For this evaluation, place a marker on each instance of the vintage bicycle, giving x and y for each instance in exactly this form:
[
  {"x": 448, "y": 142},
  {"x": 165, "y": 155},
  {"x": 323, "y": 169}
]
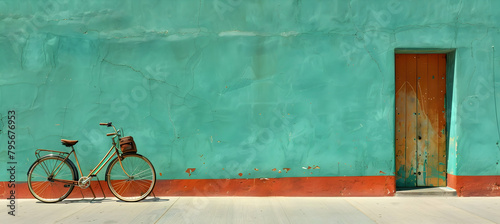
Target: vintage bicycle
[{"x": 129, "y": 176}]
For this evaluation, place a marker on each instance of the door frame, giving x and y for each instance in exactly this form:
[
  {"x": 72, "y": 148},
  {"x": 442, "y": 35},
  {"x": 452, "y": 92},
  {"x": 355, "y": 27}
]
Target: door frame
[{"x": 450, "y": 73}]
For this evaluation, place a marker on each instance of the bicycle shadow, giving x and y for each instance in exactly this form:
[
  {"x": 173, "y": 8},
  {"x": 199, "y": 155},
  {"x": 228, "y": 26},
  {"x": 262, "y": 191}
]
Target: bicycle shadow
[
  {"x": 154, "y": 199},
  {"x": 101, "y": 200}
]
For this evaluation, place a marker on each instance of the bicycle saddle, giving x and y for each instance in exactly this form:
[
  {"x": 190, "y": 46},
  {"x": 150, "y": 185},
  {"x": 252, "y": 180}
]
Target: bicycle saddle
[{"x": 68, "y": 143}]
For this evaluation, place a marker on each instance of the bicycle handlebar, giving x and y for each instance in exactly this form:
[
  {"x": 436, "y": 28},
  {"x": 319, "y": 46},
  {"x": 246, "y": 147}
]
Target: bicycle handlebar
[
  {"x": 106, "y": 124},
  {"x": 109, "y": 124}
]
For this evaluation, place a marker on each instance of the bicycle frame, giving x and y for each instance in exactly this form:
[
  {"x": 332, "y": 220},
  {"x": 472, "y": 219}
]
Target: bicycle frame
[{"x": 96, "y": 169}]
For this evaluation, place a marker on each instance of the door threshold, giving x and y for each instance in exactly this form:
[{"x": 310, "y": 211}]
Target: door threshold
[{"x": 426, "y": 192}]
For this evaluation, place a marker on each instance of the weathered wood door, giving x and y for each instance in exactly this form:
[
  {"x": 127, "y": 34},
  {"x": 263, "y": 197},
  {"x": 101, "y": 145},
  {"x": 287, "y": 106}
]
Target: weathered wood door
[{"x": 420, "y": 120}]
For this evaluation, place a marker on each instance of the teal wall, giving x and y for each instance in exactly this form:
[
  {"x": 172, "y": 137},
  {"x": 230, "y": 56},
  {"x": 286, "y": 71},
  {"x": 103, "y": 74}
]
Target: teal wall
[{"x": 233, "y": 86}]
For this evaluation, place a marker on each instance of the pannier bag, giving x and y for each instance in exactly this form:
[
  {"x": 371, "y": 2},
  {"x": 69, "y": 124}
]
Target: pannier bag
[{"x": 127, "y": 145}]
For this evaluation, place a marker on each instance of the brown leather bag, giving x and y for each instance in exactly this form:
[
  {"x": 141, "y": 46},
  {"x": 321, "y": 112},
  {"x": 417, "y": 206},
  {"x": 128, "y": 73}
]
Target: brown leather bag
[{"x": 127, "y": 145}]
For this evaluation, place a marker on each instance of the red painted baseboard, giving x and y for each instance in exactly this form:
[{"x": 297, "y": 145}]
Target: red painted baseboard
[
  {"x": 293, "y": 186},
  {"x": 467, "y": 186}
]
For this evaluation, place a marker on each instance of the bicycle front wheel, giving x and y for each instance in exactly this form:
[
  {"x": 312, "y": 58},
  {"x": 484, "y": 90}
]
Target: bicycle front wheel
[
  {"x": 138, "y": 180},
  {"x": 49, "y": 179}
]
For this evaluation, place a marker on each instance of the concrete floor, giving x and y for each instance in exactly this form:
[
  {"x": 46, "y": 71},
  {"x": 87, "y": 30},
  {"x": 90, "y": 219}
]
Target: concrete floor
[{"x": 259, "y": 210}]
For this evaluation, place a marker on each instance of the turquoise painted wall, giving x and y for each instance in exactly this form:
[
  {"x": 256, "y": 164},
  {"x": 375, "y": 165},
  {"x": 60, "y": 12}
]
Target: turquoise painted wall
[{"x": 233, "y": 86}]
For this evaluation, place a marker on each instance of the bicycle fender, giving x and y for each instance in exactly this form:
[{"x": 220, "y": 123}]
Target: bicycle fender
[{"x": 75, "y": 171}]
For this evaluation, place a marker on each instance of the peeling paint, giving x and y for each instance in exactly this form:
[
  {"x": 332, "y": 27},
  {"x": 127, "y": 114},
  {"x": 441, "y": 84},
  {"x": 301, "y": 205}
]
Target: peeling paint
[
  {"x": 419, "y": 146},
  {"x": 190, "y": 171},
  {"x": 313, "y": 167}
]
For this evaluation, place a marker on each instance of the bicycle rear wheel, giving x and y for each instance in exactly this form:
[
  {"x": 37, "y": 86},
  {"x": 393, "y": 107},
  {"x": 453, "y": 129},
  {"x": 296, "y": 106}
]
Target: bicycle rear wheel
[
  {"x": 45, "y": 179},
  {"x": 139, "y": 182}
]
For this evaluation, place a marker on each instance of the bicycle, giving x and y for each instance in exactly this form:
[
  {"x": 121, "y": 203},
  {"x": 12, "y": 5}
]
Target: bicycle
[{"x": 130, "y": 176}]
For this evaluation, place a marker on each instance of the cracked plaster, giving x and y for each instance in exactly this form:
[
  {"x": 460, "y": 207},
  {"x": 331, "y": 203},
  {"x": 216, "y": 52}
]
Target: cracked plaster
[{"x": 248, "y": 85}]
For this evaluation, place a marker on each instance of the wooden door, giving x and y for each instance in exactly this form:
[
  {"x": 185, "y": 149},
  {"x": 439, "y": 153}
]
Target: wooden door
[{"x": 420, "y": 136}]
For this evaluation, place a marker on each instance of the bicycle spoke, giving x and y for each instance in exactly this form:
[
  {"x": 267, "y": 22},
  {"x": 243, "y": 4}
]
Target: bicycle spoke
[
  {"x": 135, "y": 169},
  {"x": 145, "y": 185},
  {"x": 44, "y": 187},
  {"x": 121, "y": 186},
  {"x": 42, "y": 176},
  {"x": 45, "y": 168},
  {"x": 124, "y": 187},
  {"x": 41, "y": 185},
  {"x": 144, "y": 171},
  {"x": 116, "y": 175}
]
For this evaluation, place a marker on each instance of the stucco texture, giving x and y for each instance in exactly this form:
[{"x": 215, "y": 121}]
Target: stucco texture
[{"x": 241, "y": 89}]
